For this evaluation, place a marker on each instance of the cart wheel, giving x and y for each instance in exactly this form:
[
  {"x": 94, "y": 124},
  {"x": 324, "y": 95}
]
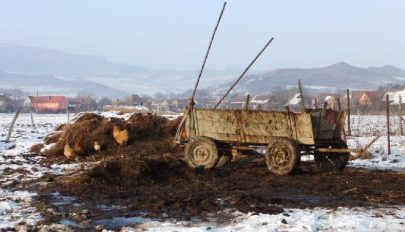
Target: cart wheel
[
  {"x": 282, "y": 157},
  {"x": 201, "y": 152},
  {"x": 332, "y": 161}
]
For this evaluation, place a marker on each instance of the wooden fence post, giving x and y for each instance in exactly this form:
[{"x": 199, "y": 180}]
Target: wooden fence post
[
  {"x": 387, "y": 106},
  {"x": 12, "y": 125},
  {"x": 32, "y": 118},
  {"x": 301, "y": 96},
  {"x": 316, "y": 103},
  {"x": 349, "y": 131},
  {"x": 401, "y": 130},
  {"x": 67, "y": 112},
  {"x": 338, "y": 103},
  {"x": 247, "y": 102}
]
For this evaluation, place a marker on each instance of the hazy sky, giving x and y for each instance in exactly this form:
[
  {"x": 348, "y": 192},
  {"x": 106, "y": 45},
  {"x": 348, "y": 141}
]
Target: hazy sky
[{"x": 174, "y": 34}]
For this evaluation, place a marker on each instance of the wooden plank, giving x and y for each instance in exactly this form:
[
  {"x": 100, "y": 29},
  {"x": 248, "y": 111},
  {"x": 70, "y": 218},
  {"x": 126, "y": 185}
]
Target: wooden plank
[{"x": 340, "y": 150}]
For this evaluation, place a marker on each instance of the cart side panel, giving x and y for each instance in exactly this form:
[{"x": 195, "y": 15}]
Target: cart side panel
[
  {"x": 303, "y": 125},
  {"x": 327, "y": 126},
  {"x": 260, "y": 127},
  {"x": 221, "y": 125},
  {"x": 255, "y": 127}
]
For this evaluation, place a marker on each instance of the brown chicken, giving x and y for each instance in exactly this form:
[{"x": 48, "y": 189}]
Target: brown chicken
[
  {"x": 69, "y": 152},
  {"x": 78, "y": 148},
  {"x": 120, "y": 136},
  {"x": 97, "y": 146}
]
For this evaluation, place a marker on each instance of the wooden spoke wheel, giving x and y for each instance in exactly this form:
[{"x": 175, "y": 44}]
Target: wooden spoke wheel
[
  {"x": 201, "y": 152},
  {"x": 282, "y": 157}
]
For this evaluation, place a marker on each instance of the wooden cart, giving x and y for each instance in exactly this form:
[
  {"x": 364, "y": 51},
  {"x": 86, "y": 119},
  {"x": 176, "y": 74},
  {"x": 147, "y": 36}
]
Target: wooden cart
[{"x": 211, "y": 136}]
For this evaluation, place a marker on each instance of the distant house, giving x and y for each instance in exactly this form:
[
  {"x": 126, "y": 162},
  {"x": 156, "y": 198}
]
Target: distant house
[
  {"x": 46, "y": 104},
  {"x": 365, "y": 98},
  {"x": 211, "y": 102},
  {"x": 132, "y": 100},
  {"x": 75, "y": 104},
  {"x": 262, "y": 101},
  {"x": 294, "y": 100},
  {"x": 255, "y": 102},
  {"x": 331, "y": 100},
  {"x": 82, "y": 103},
  {"x": 238, "y": 102},
  {"x": 160, "y": 105},
  {"x": 4, "y": 103},
  {"x": 394, "y": 97},
  {"x": 178, "y": 105}
]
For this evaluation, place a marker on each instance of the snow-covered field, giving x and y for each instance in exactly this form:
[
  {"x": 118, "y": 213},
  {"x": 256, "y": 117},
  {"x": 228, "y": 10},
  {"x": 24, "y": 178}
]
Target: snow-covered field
[
  {"x": 318, "y": 219},
  {"x": 16, "y": 165}
]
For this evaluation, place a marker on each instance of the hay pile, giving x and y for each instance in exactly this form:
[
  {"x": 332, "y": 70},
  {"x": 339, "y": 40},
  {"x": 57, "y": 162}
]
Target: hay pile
[{"x": 90, "y": 127}]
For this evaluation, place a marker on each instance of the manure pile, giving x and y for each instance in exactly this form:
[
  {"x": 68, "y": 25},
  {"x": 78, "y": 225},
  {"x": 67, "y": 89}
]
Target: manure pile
[{"x": 90, "y": 128}]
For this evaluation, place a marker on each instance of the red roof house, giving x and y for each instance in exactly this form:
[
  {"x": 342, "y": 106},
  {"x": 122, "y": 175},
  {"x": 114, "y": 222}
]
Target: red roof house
[{"x": 46, "y": 104}]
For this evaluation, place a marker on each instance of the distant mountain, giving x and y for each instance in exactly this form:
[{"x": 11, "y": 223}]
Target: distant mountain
[
  {"x": 50, "y": 85},
  {"x": 37, "y": 62},
  {"x": 336, "y": 76},
  {"x": 32, "y": 60},
  {"x": 58, "y": 72}
]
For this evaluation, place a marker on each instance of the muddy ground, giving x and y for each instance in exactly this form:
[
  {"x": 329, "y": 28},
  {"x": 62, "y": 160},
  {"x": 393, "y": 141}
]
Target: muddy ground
[
  {"x": 148, "y": 178},
  {"x": 246, "y": 185}
]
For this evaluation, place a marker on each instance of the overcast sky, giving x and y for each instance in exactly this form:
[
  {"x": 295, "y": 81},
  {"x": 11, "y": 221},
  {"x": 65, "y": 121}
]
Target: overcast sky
[{"x": 174, "y": 34}]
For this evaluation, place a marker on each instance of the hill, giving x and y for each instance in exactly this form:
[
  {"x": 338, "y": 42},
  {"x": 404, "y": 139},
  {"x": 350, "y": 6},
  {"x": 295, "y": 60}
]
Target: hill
[{"x": 336, "y": 76}]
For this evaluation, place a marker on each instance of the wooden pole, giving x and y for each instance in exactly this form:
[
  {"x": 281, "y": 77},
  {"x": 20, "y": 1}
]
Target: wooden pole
[
  {"x": 302, "y": 97},
  {"x": 32, "y": 117},
  {"x": 316, "y": 103},
  {"x": 401, "y": 130},
  {"x": 12, "y": 125},
  {"x": 244, "y": 72},
  {"x": 387, "y": 106},
  {"x": 325, "y": 106},
  {"x": 191, "y": 101},
  {"x": 338, "y": 103},
  {"x": 208, "y": 51},
  {"x": 349, "y": 131},
  {"x": 340, "y": 109},
  {"x": 247, "y": 102},
  {"x": 36, "y": 101}
]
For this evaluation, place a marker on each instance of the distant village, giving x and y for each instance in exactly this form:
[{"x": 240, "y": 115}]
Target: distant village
[{"x": 362, "y": 101}]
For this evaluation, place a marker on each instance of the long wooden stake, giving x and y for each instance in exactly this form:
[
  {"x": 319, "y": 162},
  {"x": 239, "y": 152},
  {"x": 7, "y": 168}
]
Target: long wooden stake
[
  {"x": 12, "y": 125},
  {"x": 208, "y": 51},
  {"x": 244, "y": 72},
  {"x": 191, "y": 100},
  {"x": 387, "y": 106},
  {"x": 349, "y": 131},
  {"x": 401, "y": 130}
]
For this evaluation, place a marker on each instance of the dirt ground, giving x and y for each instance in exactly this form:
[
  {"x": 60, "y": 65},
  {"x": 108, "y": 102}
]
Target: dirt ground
[{"x": 149, "y": 177}]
